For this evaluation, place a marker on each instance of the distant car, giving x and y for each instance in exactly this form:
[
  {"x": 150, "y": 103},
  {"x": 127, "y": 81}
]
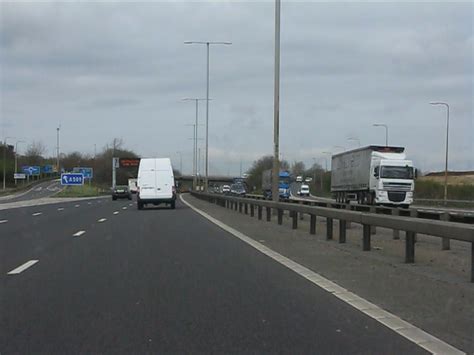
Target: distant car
[
  {"x": 304, "y": 190},
  {"x": 308, "y": 179},
  {"x": 121, "y": 191},
  {"x": 225, "y": 189},
  {"x": 299, "y": 179},
  {"x": 238, "y": 189}
]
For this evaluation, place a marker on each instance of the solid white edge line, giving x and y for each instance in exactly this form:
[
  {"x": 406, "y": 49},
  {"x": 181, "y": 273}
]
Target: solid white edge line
[
  {"x": 23, "y": 267},
  {"x": 391, "y": 321},
  {"x": 78, "y": 234},
  {"x": 3, "y": 221}
]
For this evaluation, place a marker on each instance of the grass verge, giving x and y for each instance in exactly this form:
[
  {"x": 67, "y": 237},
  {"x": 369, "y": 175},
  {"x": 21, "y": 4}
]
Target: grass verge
[{"x": 81, "y": 191}]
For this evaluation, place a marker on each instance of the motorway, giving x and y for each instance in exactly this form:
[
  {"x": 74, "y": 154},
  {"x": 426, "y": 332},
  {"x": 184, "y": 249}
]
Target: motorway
[
  {"x": 99, "y": 276},
  {"x": 44, "y": 189}
]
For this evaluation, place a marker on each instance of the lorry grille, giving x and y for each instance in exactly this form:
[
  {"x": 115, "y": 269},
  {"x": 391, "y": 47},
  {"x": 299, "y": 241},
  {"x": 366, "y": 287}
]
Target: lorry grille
[
  {"x": 396, "y": 196},
  {"x": 397, "y": 186}
]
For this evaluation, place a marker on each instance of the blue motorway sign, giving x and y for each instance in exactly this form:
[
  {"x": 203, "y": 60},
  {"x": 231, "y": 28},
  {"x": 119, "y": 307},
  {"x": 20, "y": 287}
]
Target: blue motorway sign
[
  {"x": 31, "y": 170},
  {"x": 72, "y": 179},
  {"x": 87, "y": 172},
  {"x": 47, "y": 169}
]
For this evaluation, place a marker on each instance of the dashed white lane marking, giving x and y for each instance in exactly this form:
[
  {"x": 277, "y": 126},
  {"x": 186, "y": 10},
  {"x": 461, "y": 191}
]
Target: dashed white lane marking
[
  {"x": 23, "y": 267},
  {"x": 116, "y": 212},
  {"x": 391, "y": 321},
  {"x": 130, "y": 204},
  {"x": 77, "y": 206},
  {"x": 102, "y": 220},
  {"x": 3, "y": 221},
  {"x": 78, "y": 234},
  {"x": 60, "y": 209},
  {"x": 124, "y": 208},
  {"x": 37, "y": 214}
]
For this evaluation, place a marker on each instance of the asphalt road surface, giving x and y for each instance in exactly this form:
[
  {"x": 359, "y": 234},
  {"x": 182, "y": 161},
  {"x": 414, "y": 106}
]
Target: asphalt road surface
[
  {"x": 45, "y": 189},
  {"x": 161, "y": 281}
]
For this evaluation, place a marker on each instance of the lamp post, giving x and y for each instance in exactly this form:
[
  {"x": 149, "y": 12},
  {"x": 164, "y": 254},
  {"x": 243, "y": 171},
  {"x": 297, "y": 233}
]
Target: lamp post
[
  {"x": 196, "y": 125},
  {"x": 208, "y": 44},
  {"x": 4, "y": 162},
  {"x": 16, "y": 157},
  {"x": 276, "y": 106},
  {"x": 386, "y": 131},
  {"x": 447, "y": 145}
]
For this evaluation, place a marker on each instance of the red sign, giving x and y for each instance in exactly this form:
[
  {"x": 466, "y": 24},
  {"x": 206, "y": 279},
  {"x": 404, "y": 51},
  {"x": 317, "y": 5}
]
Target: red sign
[{"x": 129, "y": 162}]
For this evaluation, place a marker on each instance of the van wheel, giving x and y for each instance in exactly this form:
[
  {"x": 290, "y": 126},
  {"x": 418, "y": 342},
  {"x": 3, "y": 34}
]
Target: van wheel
[
  {"x": 140, "y": 205},
  {"x": 173, "y": 205},
  {"x": 114, "y": 198}
]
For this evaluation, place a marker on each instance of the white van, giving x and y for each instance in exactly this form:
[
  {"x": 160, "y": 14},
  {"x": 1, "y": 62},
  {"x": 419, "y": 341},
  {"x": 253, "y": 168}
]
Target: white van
[{"x": 155, "y": 182}]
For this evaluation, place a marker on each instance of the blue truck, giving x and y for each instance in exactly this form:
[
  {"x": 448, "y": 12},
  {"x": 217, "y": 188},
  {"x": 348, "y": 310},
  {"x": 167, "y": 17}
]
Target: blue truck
[{"x": 283, "y": 184}]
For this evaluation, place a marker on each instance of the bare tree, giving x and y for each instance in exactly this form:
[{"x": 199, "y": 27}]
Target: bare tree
[{"x": 34, "y": 154}]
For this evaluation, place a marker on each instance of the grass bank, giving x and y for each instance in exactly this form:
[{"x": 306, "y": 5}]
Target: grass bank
[{"x": 82, "y": 191}]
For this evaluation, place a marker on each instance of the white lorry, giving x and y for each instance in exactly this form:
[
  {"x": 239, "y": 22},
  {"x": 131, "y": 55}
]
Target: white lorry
[
  {"x": 373, "y": 175},
  {"x": 132, "y": 186},
  {"x": 155, "y": 183}
]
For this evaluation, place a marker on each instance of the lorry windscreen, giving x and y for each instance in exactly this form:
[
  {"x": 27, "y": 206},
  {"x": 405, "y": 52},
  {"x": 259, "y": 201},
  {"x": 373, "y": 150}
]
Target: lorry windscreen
[{"x": 396, "y": 172}]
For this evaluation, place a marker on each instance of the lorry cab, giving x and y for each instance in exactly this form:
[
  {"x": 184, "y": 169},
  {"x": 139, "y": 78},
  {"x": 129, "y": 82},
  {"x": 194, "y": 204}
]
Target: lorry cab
[{"x": 155, "y": 183}]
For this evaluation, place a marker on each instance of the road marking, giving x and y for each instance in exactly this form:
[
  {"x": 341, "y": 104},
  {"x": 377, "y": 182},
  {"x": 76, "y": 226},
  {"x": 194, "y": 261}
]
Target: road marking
[
  {"x": 116, "y": 212},
  {"x": 23, "y": 267},
  {"x": 130, "y": 204},
  {"x": 60, "y": 209},
  {"x": 102, "y": 220},
  {"x": 391, "y": 321},
  {"x": 37, "y": 214},
  {"x": 89, "y": 203},
  {"x": 77, "y": 206},
  {"x": 78, "y": 234},
  {"x": 124, "y": 208},
  {"x": 3, "y": 221}
]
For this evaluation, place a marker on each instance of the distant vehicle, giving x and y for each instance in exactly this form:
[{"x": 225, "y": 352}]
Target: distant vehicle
[
  {"x": 121, "y": 191},
  {"x": 238, "y": 189},
  {"x": 156, "y": 183},
  {"x": 283, "y": 184},
  {"x": 373, "y": 175},
  {"x": 132, "y": 186},
  {"x": 304, "y": 190},
  {"x": 308, "y": 179},
  {"x": 299, "y": 179},
  {"x": 225, "y": 189}
]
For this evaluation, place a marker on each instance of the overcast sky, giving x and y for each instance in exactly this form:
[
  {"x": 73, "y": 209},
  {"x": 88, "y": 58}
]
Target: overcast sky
[{"x": 112, "y": 69}]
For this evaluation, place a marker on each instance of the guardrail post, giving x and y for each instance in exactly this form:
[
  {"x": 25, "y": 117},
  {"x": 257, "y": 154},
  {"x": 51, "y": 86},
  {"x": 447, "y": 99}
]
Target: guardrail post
[
  {"x": 472, "y": 261},
  {"x": 312, "y": 224},
  {"x": 259, "y": 208},
  {"x": 246, "y": 208},
  {"x": 414, "y": 213},
  {"x": 342, "y": 231},
  {"x": 396, "y": 232},
  {"x": 445, "y": 242},
  {"x": 269, "y": 214},
  {"x": 295, "y": 220},
  {"x": 410, "y": 247},
  {"x": 240, "y": 207},
  {"x": 373, "y": 229},
  {"x": 366, "y": 237},
  {"x": 252, "y": 210},
  {"x": 328, "y": 228},
  {"x": 280, "y": 216}
]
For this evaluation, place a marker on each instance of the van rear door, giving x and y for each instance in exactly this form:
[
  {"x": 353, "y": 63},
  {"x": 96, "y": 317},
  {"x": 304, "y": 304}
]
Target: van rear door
[{"x": 164, "y": 184}]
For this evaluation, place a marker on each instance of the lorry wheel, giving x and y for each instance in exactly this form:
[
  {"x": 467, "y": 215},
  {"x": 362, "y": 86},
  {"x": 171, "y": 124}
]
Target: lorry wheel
[
  {"x": 114, "y": 198},
  {"x": 173, "y": 205}
]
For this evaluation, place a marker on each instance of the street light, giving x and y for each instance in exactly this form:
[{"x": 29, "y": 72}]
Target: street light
[
  {"x": 16, "y": 157},
  {"x": 276, "y": 107},
  {"x": 207, "y": 101},
  {"x": 354, "y": 139},
  {"x": 196, "y": 125},
  {"x": 4, "y": 161},
  {"x": 386, "y": 131},
  {"x": 447, "y": 142}
]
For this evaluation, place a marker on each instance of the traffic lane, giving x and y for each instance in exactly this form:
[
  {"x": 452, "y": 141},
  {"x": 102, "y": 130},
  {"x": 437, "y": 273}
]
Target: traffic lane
[
  {"x": 162, "y": 280},
  {"x": 43, "y": 234},
  {"x": 45, "y": 189}
]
